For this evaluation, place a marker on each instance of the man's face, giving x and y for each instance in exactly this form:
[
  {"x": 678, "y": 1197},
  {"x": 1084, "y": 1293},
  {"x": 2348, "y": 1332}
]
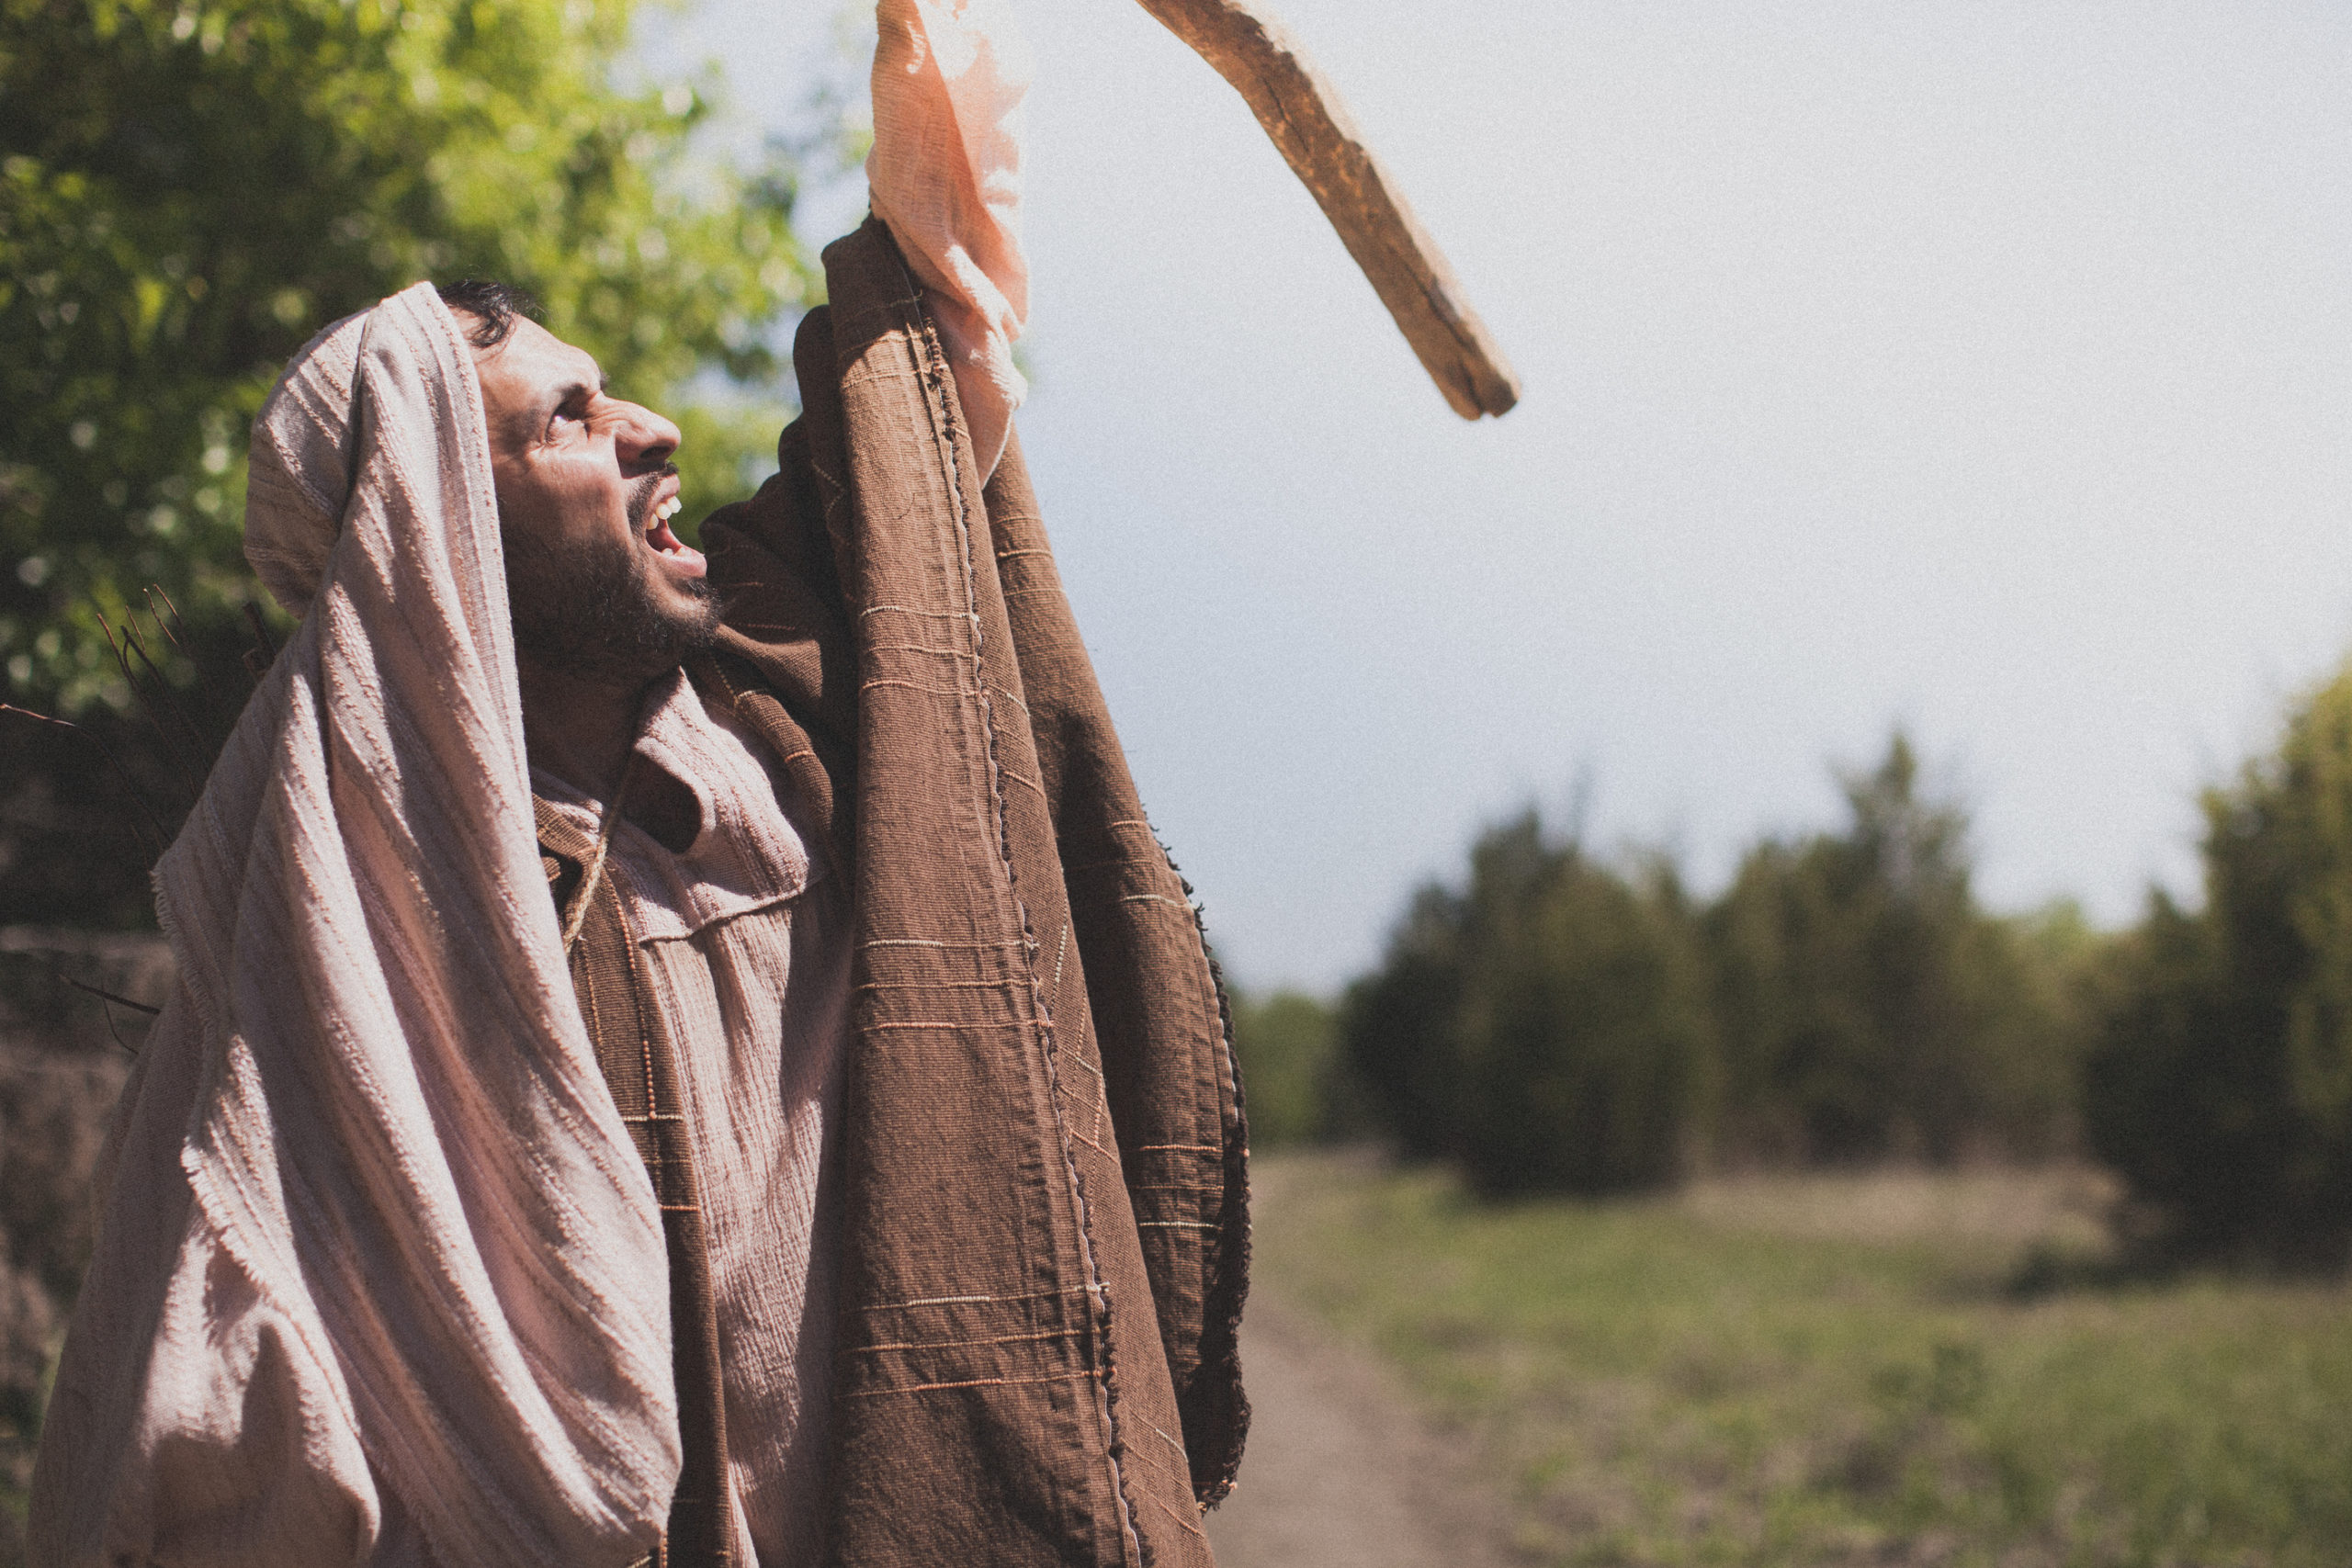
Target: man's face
[{"x": 599, "y": 585}]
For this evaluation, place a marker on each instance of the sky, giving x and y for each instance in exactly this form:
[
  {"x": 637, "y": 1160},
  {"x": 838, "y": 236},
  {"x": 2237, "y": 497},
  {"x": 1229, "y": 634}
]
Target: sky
[{"x": 1984, "y": 368}]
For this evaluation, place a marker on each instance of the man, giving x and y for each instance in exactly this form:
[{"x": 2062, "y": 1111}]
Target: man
[{"x": 549, "y": 937}]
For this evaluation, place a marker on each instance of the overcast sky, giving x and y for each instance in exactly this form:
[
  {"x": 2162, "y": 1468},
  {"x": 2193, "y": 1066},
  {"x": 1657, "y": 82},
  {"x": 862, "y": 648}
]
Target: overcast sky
[{"x": 1985, "y": 367}]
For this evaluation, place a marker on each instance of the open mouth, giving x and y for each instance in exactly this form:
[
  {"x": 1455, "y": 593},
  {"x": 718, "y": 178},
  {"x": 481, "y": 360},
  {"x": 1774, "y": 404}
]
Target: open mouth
[{"x": 679, "y": 555}]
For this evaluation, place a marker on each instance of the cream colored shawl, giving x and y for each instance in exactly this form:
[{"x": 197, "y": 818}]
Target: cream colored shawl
[{"x": 381, "y": 1277}]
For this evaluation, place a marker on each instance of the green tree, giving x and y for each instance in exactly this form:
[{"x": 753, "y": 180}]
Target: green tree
[
  {"x": 1867, "y": 1008},
  {"x": 1397, "y": 1026},
  {"x": 190, "y": 189},
  {"x": 1288, "y": 1043},
  {"x": 1584, "y": 1030},
  {"x": 2222, "y": 1083},
  {"x": 1559, "y": 1022},
  {"x": 1545, "y": 1026}
]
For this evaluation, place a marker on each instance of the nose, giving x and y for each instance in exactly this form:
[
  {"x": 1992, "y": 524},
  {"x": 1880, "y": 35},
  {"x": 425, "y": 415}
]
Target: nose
[{"x": 643, "y": 439}]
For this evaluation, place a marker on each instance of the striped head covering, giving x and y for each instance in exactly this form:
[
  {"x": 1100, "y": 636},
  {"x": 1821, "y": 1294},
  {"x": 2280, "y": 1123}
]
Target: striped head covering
[
  {"x": 300, "y": 466},
  {"x": 371, "y": 1282}
]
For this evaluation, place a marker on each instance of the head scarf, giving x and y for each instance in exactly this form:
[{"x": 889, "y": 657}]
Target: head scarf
[
  {"x": 299, "y": 473},
  {"x": 380, "y": 1277}
]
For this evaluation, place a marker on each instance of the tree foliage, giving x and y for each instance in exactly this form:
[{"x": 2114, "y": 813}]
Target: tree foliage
[
  {"x": 1868, "y": 1008},
  {"x": 1288, "y": 1044},
  {"x": 1558, "y": 1022},
  {"x": 190, "y": 188},
  {"x": 2221, "y": 1082},
  {"x": 1545, "y": 1026}
]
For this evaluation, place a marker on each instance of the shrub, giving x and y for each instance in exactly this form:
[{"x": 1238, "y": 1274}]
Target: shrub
[
  {"x": 1556, "y": 1022},
  {"x": 1288, "y": 1043},
  {"x": 1867, "y": 1008},
  {"x": 1397, "y": 1027},
  {"x": 1545, "y": 1027},
  {"x": 2221, "y": 1086}
]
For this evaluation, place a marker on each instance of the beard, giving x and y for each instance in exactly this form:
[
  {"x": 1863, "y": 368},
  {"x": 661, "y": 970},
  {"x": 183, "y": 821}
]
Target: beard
[{"x": 590, "y": 610}]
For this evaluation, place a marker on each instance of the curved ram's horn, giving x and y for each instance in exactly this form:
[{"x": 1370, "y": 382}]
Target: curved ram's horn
[{"x": 1304, "y": 115}]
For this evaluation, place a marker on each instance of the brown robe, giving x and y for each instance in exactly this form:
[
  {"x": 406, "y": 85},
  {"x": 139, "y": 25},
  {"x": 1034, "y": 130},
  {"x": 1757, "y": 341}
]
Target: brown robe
[{"x": 1046, "y": 1232}]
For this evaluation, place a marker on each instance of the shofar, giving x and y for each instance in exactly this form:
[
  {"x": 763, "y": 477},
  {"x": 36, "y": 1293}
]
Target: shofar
[{"x": 1302, "y": 114}]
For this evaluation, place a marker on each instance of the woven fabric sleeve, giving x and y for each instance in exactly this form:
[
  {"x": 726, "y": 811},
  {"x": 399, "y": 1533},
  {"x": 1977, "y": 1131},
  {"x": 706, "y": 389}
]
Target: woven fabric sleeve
[
  {"x": 1161, "y": 1024},
  {"x": 1045, "y": 1218}
]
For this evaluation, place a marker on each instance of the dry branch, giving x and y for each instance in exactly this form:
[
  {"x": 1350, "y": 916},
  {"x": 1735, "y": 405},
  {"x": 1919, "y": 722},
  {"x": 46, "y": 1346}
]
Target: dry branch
[
  {"x": 1304, "y": 114},
  {"x": 105, "y": 996}
]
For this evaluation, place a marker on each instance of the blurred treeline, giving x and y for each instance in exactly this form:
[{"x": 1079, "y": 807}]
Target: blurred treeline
[{"x": 1561, "y": 1020}]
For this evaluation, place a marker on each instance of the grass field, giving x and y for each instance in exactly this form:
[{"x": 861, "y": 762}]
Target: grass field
[{"x": 1808, "y": 1372}]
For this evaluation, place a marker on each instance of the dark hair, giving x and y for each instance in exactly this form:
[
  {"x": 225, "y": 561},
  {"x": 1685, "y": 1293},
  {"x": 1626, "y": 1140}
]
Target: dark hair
[{"x": 494, "y": 307}]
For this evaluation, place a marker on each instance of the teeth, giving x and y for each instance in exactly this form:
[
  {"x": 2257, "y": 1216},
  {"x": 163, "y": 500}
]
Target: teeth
[{"x": 668, "y": 509}]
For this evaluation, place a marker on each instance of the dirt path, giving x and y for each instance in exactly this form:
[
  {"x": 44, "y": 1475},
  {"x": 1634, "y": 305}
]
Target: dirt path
[{"x": 1341, "y": 1473}]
